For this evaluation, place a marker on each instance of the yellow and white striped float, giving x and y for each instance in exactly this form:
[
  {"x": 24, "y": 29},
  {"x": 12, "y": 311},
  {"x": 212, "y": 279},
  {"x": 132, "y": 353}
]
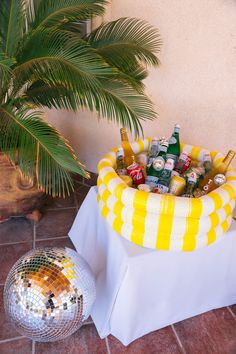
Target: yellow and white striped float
[{"x": 165, "y": 222}]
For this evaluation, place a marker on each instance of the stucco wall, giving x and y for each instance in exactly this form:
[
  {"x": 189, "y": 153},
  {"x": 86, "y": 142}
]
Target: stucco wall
[{"x": 194, "y": 86}]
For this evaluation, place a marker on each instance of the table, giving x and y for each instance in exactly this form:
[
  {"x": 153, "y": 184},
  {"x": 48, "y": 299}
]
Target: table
[{"x": 140, "y": 290}]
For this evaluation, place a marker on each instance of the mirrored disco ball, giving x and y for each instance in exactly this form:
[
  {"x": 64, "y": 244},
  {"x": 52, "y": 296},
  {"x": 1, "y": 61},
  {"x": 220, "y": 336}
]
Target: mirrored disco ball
[{"x": 48, "y": 293}]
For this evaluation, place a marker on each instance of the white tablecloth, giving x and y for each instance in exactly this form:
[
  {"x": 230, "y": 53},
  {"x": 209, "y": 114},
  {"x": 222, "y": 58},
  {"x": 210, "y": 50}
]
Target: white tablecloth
[{"x": 140, "y": 290}]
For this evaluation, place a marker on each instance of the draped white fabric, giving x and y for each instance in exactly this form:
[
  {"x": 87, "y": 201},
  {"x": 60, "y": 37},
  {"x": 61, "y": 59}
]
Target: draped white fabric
[{"x": 140, "y": 290}]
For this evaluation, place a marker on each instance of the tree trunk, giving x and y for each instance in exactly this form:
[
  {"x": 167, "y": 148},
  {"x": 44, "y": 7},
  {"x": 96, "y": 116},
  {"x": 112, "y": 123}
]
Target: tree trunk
[{"x": 18, "y": 196}]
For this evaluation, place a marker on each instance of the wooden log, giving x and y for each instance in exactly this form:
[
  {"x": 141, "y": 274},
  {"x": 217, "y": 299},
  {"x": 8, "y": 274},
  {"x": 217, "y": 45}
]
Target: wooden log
[{"x": 18, "y": 196}]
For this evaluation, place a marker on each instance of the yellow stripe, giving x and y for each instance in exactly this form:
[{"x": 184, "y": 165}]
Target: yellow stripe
[
  {"x": 214, "y": 219},
  {"x": 99, "y": 181},
  {"x": 167, "y": 209},
  {"x": 140, "y": 144},
  {"x": 231, "y": 178},
  {"x": 105, "y": 211},
  {"x": 111, "y": 158},
  {"x": 228, "y": 209},
  {"x": 194, "y": 154},
  {"x": 229, "y": 189},
  {"x": 119, "y": 190},
  {"x": 105, "y": 195},
  {"x": 216, "y": 199},
  {"x": 225, "y": 226},
  {"x": 117, "y": 225},
  {"x": 103, "y": 164},
  {"x": 211, "y": 236},
  {"x": 138, "y": 230},
  {"x": 108, "y": 177},
  {"x": 192, "y": 225}
]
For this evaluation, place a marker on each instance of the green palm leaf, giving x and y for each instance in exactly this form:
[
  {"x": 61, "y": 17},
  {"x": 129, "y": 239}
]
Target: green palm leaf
[
  {"x": 11, "y": 25},
  {"x": 126, "y": 41},
  {"x": 50, "y": 13},
  {"x": 59, "y": 58},
  {"x": 40, "y": 148}
]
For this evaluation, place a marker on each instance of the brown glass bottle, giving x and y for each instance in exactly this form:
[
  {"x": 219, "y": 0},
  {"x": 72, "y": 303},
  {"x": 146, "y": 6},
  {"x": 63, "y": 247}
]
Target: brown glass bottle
[
  {"x": 128, "y": 152},
  {"x": 209, "y": 183}
]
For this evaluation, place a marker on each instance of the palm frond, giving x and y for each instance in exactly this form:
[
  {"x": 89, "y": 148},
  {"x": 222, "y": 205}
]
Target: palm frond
[
  {"x": 122, "y": 104},
  {"x": 41, "y": 94},
  {"x": 41, "y": 150},
  {"x": 5, "y": 74},
  {"x": 125, "y": 41},
  {"x": 11, "y": 25},
  {"x": 50, "y": 13},
  {"x": 59, "y": 58}
]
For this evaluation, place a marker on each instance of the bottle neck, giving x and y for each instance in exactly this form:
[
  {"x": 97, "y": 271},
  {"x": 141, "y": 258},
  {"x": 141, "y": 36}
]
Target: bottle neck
[
  {"x": 228, "y": 158},
  {"x": 124, "y": 135}
]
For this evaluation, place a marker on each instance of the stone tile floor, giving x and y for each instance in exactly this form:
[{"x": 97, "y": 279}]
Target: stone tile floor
[{"x": 213, "y": 332}]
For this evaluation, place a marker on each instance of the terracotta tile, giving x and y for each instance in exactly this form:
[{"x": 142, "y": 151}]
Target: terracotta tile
[
  {"x": 213, "y": 332},
  {"x": 84, "y": 341},
  {"x": 162, "y": 341},
  {"x": 82, "y": 189},
  {"x": 61, "y": 242},
  {"x": 9, "y": 255},
  {"x": 7, "y": 331},
  {"x": 92, "y": 181},
  {"x": 56, "y": 203},
  {"x": 16, "y": 230},
  {"x": 20, "y": 346},
  {"x": 233, "y": 308},
  {"x": 55, "y": 223}
]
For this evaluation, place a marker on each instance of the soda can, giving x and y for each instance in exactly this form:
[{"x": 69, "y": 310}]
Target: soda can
[
  {"x": 177, "y": 185},
  {"x": 136, "y": 173},
  {"x": 145, "y": 188},
  {"x": 183, "y": 163}
]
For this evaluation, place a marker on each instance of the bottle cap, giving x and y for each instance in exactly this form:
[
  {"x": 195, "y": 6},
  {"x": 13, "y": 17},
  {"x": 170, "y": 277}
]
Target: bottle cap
[{"x": 177, "y": 126}]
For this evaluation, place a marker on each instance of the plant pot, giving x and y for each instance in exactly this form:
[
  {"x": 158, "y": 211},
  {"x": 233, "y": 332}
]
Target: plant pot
[
  {"x": 18, "y": 196},
  {"x": 165, "y": 222}
]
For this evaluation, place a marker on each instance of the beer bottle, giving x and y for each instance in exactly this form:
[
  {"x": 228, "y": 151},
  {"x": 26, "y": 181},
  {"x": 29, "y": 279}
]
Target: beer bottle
[
  {"x": 191, "y": 184},
  {"x": 120, "y": 162},
  {"x": 128, "y": 152},
  {"x": 173, "y": 151},
  {"x": 154, "y": 172},
  {"x": 211, "y": 180}
]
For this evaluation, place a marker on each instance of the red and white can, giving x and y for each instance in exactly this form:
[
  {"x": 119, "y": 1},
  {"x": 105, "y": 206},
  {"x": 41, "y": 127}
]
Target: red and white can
[{"x": 136, "y": 173}]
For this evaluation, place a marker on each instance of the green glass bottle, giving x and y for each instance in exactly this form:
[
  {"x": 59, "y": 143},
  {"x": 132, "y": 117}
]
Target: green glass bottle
[
  {"x": 173, "y": 151},
  {"x": 155, "y": 170}
]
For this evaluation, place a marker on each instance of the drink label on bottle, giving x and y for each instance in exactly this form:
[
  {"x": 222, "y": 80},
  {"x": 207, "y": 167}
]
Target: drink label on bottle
[
  {"x": 158, "y": 163},
  {"x": 151, "y": 181},
  {"x": 160, "y": 189},
  {"x": 172, "y": 140}
]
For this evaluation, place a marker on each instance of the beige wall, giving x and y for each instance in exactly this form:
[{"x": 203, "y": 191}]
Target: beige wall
[{"x": 194, "y": 86}]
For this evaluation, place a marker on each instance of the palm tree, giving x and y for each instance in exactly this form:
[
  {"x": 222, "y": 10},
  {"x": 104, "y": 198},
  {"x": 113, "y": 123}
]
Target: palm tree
[{"x": 46, "y": 62}]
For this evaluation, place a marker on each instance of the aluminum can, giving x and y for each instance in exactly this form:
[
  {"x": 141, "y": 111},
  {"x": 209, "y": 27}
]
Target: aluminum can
[
  {"x": 136, "y": 173},
  {"x": 183, "y": 163},
  {"x": 177, "y": 185},
  {"x": 145, "y": 188}
]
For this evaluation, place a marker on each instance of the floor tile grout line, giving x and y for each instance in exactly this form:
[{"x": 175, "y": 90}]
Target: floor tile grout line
[
  {"x": 61, "y": 208},
  {"x": 14, "y": 243},
  {"x": 34, "y": 235},
  {"x": 11, "y": 339},
  {"x": 33, "y": 347},
  {"x": 51, "y": 238},
  {"x": 178, "y": 339},
  {"x": 108, "y": 346},
  {"x": 76, "y": 202},
  {"x": 231, "y": 312}
]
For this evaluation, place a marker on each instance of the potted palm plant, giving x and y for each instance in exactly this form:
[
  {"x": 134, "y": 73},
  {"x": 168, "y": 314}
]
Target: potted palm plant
[{"x": 45, "y": 61}]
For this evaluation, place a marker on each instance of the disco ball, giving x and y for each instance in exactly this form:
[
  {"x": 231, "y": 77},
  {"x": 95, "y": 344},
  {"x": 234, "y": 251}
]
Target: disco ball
[{"x": 48, "y": 293}]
